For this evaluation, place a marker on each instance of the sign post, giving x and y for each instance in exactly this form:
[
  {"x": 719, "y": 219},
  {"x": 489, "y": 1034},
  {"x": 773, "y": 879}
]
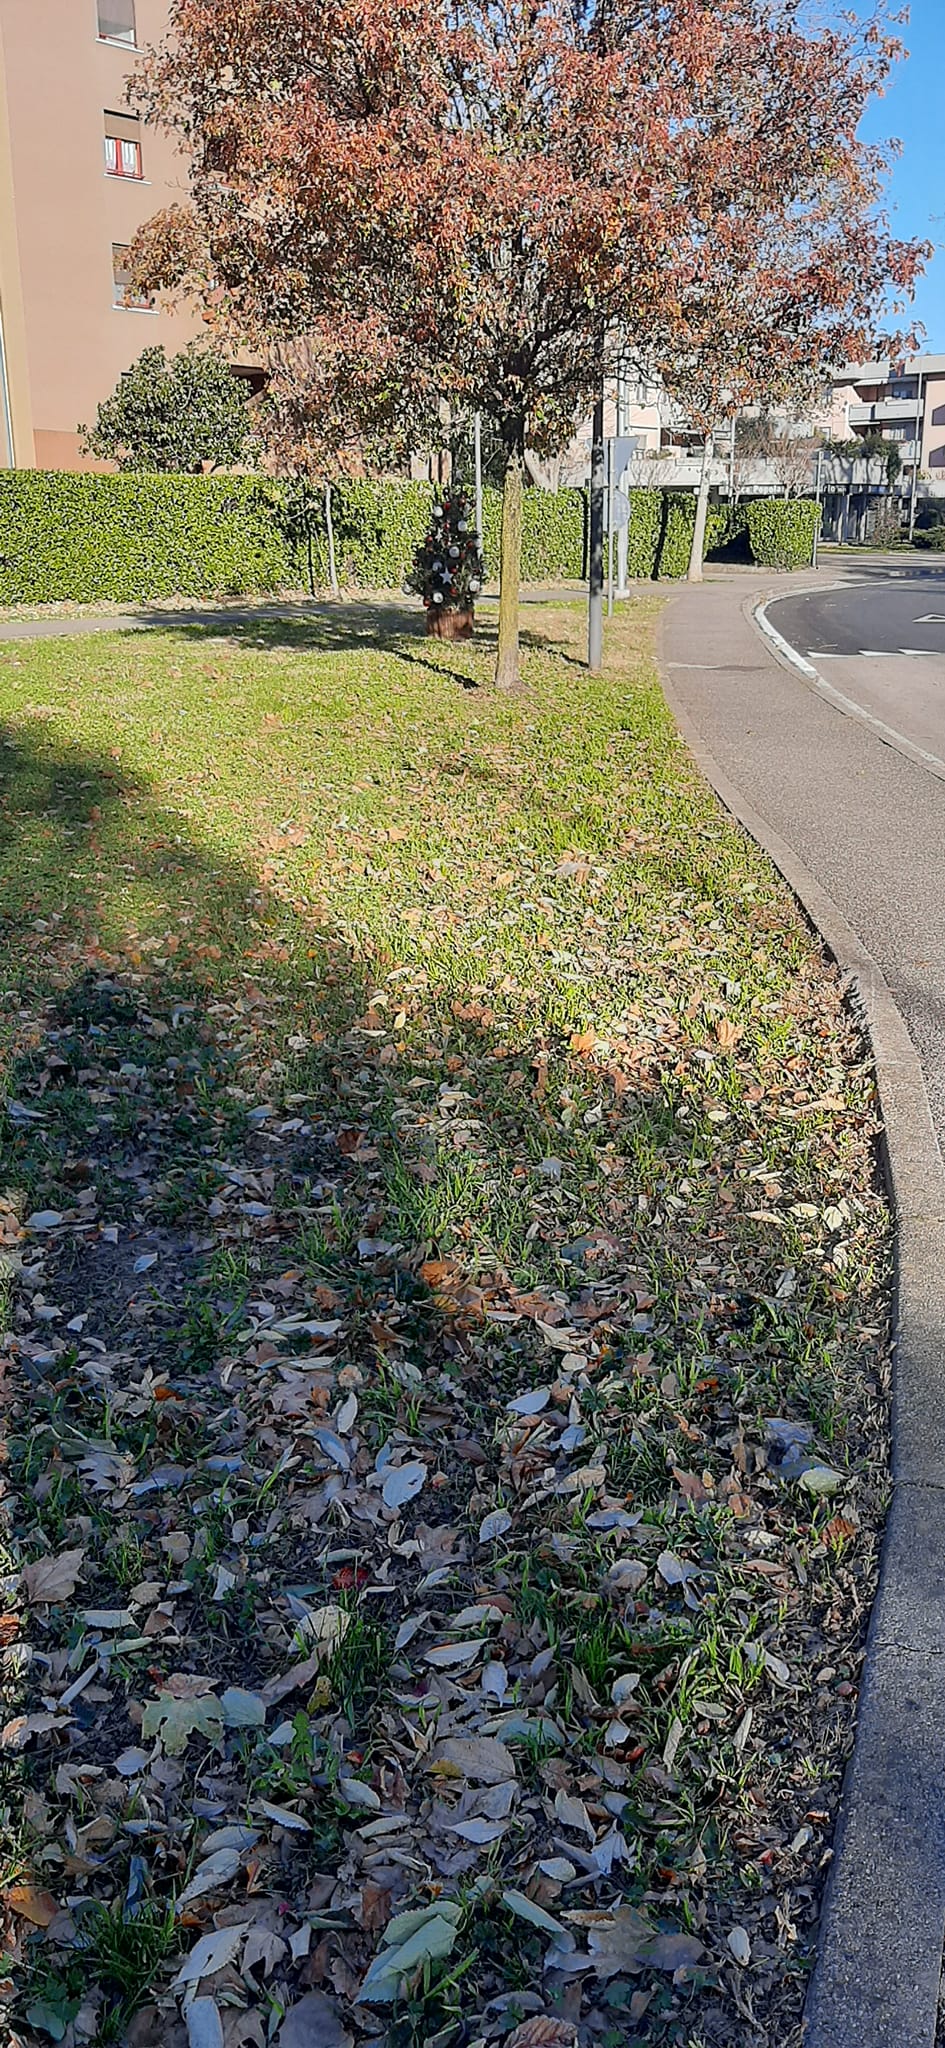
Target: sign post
[{"x": 595, "y": 605}]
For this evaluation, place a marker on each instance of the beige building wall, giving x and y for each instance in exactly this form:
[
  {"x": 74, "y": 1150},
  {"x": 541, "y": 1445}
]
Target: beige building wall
[{"x": 60, "y": 214}]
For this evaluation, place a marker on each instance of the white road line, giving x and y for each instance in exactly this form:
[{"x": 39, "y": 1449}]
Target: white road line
[
  {"x": 890, "y": 733},
  {"x": 931, "y": 619}
]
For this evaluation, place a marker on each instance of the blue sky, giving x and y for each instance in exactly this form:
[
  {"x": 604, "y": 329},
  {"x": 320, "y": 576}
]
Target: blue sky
[{"x": 913, "y": 111}]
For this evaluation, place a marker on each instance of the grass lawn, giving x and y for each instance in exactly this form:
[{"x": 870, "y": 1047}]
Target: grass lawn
[{"x": 444, "y": 1387}]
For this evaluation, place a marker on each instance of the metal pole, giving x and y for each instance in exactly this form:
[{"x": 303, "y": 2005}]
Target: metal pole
[
  {"x": 731, "y": 465},
  {"x": 622, "y": 537},
  {"x": 915, "y": 467},
  {"x": 595, "y": 605},
  {"x": 477, "y": 458},
  {"x": 817, "y": 496},
  {"x": 610, "y": 528}
]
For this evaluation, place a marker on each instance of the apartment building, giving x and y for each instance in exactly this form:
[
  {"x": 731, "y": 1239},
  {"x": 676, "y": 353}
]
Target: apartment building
[
  {"x": 78, "y": 174},
  {"x": 903, "y": 402}
]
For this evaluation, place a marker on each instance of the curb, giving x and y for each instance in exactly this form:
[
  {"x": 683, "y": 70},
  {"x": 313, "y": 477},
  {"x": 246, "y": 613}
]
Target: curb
[{"x": 877, "y": 1977}]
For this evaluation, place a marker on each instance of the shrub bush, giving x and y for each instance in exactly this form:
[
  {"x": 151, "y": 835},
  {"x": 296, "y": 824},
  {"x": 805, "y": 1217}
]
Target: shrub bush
[
  {"x": 553, "y": 524},
  {"x": 85, "y": 537},
  {"x": 930, "y": 537},
  {"x": 781, "y": 531}
]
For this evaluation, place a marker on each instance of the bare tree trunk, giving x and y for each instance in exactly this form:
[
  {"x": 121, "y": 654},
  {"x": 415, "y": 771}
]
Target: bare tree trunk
[
  {"x": 506, "y": 668},
  {"x": 702, "y": 508}
]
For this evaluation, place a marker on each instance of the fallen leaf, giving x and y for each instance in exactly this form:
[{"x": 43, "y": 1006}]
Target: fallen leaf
[
  {"x": 403, "y": 1484},
  {"x": 313, "y": 2023},
  {"x": 30, "y": 1903},
  {"x": 210, "y": 1954},
  {"x": 173, "y": 1721},
  {"x": 526, "y": 1909},
  {"x": 204, "y": 2025},
  {"x": 242, "y": 1709},
  {"x": 543, "y": 2032},
  {"x": 740, "y": 1945},
  {"x": 430, "y": 1942},
  {"x": 480, "y": 1758},
  {"x": 496, "y": 1524},
  {"x": 53, "y": 1578}
]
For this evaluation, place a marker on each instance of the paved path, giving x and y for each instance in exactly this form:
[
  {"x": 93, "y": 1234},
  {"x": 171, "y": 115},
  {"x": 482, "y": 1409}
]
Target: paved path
[
  {"x": 866, "y": 820},
  {"x": 359, "y": 615}
]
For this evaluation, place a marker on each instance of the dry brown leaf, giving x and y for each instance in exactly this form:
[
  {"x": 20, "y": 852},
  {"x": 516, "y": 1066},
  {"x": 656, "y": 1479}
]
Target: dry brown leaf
[
  {"x": 543, "y": 2032},
  {"x": 30, "y": 1903},
  {"x": 53, "y": 1578}
]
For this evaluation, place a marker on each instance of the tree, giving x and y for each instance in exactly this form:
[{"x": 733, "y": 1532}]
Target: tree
[
  {"x": 447, "y": 570},
  {"x": 783, "y": 443},
  {"x": 186, "y": 414},
  {"x": 491, "y": 199},
  {"x": 791, "y": 261}
]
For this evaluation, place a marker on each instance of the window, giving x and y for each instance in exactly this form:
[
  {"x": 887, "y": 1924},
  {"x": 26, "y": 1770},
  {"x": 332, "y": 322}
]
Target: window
[
  {"x": 116, "y": 21},
  {"x": 125, "y": 294},
  {"x": 122, "y": 146}
]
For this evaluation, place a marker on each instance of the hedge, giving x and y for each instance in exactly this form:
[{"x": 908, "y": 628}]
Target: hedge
[
  {"x": 781, "y": 531},
  {"x": 85, "y": 537}
]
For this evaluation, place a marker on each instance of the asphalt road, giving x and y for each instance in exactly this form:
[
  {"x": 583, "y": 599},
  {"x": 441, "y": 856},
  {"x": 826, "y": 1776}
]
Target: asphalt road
[
  {"x": 879, "y": 650},
  {"x": 888, "y": 616},
  {"x": 830, "y": 776}
]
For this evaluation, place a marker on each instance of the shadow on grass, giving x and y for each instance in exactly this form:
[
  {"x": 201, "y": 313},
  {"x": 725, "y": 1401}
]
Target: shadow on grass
[{"x": 345, "y": 627}]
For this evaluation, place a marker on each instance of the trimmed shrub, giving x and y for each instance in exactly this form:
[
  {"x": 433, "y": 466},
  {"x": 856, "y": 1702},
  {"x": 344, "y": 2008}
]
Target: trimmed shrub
[
  {"x": 678, "y": 522},
  {"x": 125, "y": 539},
  {"x": 643, "y": 532},
  {"x": 930, "y": 537},
  {"x": 83, "y": 537},
  {"x": 378, "y": 528},
  {"x": 552, "y": 533},
  {"x": 781, "y": 531}
]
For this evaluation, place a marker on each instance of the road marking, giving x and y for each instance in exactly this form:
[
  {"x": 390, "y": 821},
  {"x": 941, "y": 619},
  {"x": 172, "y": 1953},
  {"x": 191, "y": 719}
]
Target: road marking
[
  {"x": 931, "y": 619},
  {"x": 889, "y": 733},
  {"x": 925, "y": 653}
]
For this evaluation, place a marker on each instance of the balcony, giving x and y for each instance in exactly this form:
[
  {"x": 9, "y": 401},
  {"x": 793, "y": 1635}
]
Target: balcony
[{"x": 884, "y": 409}]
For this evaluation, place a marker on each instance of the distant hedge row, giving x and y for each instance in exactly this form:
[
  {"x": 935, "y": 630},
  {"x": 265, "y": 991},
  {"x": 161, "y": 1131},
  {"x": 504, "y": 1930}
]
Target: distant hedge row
[{"x": 85, "y": 537}]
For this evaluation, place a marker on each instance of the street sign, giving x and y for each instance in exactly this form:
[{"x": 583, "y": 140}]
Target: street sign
[
  {"x": 624, "y": 447},
  {"x": 621, "y": 510}
]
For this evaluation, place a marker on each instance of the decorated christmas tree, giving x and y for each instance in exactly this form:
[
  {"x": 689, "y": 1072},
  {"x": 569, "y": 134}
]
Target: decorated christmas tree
[{"x": 447, "y": 567}]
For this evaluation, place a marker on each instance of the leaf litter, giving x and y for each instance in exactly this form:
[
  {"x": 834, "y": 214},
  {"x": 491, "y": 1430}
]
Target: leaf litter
[{"x": 445, "y": 1389}]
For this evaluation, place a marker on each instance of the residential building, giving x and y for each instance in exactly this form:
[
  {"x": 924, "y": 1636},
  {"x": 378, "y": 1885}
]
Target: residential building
[
  {"x": 903, "y": 402},
  {"x": 78, "y": 175}
]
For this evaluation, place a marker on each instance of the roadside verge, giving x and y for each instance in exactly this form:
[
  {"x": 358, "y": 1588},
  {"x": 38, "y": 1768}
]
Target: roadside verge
[{"x": 876, "y": 1982}]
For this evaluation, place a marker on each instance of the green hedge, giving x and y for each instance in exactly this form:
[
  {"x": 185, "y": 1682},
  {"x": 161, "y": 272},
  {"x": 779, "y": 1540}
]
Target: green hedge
[
  {"x": 128, "y": 538},
  {"x": 781, "y": 531}
]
